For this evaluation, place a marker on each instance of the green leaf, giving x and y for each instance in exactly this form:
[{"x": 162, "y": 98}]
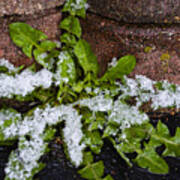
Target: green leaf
[
  {"x": 162, "y": 136},
  {"x": 93, "y": 140},
  {"x": 48, "y": 45},
  {"x": 68, "y": 39},
  {"x": 78, "y": 87},
  {"x": 66, "y": 67},
  {"x": 72, "y": 25},
  {"x": 124, "y": 66},
  {"x": 108, "y": 177},
  {"x": 49, "y": 134},
  {"x": 45, "y": 59},
  {"x": 73, "y": 8},
  {"x": 26, "y": 37},
  {"x": 138, "y": 132},
  {"x": 3, "y": 69},
  {"x": 162, "y": 129},
  {"x": 151, "y": 160},
  {"x": 86, "y": 57},
  {"x": 97, "y": 122},
  {"x": 121, "y": 153},
  {"x": 111, "y": 130},
  {"x": 130, "y": 139},
  {"x": 173, "y": 145},
  {"x": 93, "y": 171},
  {"x": 42, "y": 58},
  {"x": 87, "y": 158}
]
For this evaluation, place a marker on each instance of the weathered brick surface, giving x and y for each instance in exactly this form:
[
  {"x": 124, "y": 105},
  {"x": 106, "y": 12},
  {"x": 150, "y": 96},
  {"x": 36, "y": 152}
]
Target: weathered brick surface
[
  {"x": 19, "y": 7},
  {"x": 138, "y": 11},
  {"x": 109, "y": 39}
]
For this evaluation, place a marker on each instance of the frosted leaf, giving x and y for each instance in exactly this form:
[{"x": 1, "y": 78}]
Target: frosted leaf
[
  {"x": 97, "y": 103},
  {"x": 145, "y": 84},
  {"x": 58, "y": 44},
  {"x": 88, "y": 90},
  {"x": 42, "y": 55},
  {"x": 87, "y": 6},
  {"x": 113, "y": 62},
  {"x": 78, "y": 4},
  {"x": 11, "y": 130},
  {"x": 8, "y": 65},
  {"x": 96, "y": 91},
  {"x": 167, "y": 96},
  {"x": 24, "y": 161},
  {"x": 73, "y": 135},
  {"x": 58, "y": 74},
  {"x": 126, "y": 116},
  {"x": 130, "y": 88},
  {"x": 143, "y": 89}
]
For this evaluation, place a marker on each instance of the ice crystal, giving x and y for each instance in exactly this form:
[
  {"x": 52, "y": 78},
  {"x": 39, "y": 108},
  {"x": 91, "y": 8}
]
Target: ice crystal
[
  {"x": 125, "y": 115},
  {"x": 58, "y": 77},
  {"x": 8, "y": 65},
  {"x": 97, "y": 103},
  {"x": 9, "y": 123},
  {"x": 23, "y": 163},
  {"x": 42, "y": 55},
  {"x": 24, "y": 83},
  {"x": 144, "y": 90},
  {"x": 73, "y": 135},
  {"x": 29, "y": 151},
  {"x": 113, "y": 62},
  {"x": 168, "y": 96},
  {"x": 78, "y": 4}
]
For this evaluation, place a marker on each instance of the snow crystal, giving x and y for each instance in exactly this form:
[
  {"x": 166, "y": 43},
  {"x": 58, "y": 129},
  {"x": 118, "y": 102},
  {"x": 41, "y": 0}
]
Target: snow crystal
[
  {"x": 58, "y": 44},
  {"x": 8, "y": 65},
  {"x": 97, "y": 103},
  {"x": 125, "y": 115},
  {"x": 42, "y": 55},
  {"x": 113, "y": 62},
  {"x": 24, "y": 83},
  {"x": 29, "y": 151},
  {"x": 145, "y": 84},
  {"x": 13, "y": 128},
  {"x": 24, "y": 161},
  {"x": 143, "y": 89},
  {"x": 73, "y": 135},
  {"x": 58, "y": 77},
  {"x": 79, "y": 4},
  {"x": 167, "y": 96}
]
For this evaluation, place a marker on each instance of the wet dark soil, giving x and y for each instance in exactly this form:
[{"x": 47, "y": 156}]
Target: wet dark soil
[{"x": 59, "y": 168}]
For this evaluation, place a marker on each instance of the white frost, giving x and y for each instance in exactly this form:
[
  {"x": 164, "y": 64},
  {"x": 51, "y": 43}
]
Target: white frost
[
  {"x": 126, "y": 116},
  {"x": 144, "y": 90},
  {"x": 24, "y": 83},
  {"x": 12, "y": 129},
  {"x": 29, "y": 151},
  {"x": 97, "y": 103},
  {"x": 8, "y": 65},
  {"x": 113, "y": 62}
]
